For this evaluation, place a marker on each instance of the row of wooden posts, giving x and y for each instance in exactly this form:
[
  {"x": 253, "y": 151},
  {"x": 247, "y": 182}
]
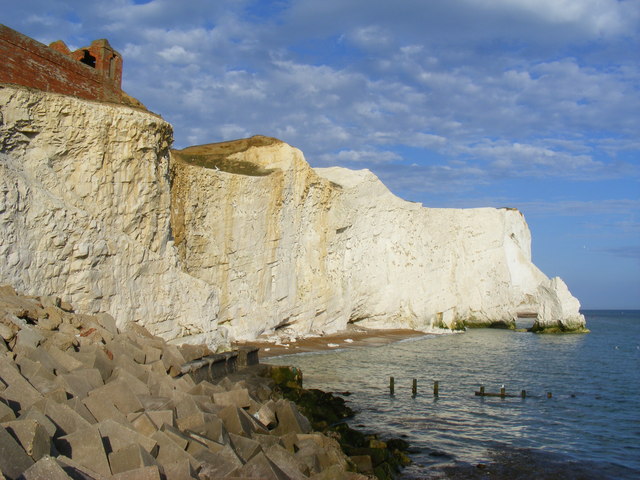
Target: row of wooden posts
[{"x": 482, "y": 393}]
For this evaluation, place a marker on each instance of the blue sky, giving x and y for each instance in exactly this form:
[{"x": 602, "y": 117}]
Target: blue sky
[{"x": 532, "y": 104}]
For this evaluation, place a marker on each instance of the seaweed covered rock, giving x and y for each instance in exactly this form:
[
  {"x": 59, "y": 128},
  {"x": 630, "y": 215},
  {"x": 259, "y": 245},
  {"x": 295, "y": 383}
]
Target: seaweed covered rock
[{"x": 327, "y": 412}]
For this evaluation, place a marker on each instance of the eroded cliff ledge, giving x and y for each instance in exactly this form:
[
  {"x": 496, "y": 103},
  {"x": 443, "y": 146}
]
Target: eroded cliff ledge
[{"x": 233, "y": 240}]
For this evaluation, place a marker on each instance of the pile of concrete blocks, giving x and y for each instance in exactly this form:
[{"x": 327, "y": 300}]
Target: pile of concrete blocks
[{"x": 81, "y": 399}]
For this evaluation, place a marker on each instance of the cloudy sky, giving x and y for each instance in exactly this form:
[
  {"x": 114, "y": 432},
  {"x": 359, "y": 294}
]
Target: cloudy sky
[{"x": 533, "y": 104}]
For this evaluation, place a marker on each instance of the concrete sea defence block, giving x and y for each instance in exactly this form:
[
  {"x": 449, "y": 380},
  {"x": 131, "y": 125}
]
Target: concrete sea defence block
[
  {"x": 85, "y": 447},
  {"x": 78, "y": 471},
  {"x": 122, "y": 396},
  {"x": 239, "y": 397},
  {"x": 130, "y": 457},
  {"x": 120, "y": 436},
  {"x": 13, "y": 459},
  {"x": 144, "y": 473},
  {"x": 66, "y": 420},
  {"x": 244, "y": 447},
  {"x": 221, "y": 464},
  {"x": 102, "y": 413},
  {"x": 142, "y": 423},
  {"x": 290, "y": 419},
  {"x": 33, "y": 437},
  {"x": 102, "y": 408},
  {"x": 287, "y": 462},
  {"x": 45, "y": 468},
  {"x": 261, "y": 467},
  {"x": 19, "y": 394},
  {"x": 169, "y": 452}
]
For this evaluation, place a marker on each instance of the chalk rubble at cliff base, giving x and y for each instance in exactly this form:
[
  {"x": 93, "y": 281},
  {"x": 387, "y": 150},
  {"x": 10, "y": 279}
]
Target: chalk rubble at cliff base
[{"x": 80, "y": 398}]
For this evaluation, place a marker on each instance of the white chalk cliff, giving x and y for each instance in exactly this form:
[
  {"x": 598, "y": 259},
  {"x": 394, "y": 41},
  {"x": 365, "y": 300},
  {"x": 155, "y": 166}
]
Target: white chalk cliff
[{"x": 234, "y": 240}]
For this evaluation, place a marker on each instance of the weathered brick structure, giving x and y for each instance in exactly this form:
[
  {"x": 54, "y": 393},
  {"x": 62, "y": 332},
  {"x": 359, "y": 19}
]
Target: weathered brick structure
[{"x": 93, "y": 72}]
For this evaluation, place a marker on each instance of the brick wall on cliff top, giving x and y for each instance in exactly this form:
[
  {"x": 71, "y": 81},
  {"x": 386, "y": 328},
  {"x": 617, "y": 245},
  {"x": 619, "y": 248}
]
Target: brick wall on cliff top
[{"x": 27, "y": 62}]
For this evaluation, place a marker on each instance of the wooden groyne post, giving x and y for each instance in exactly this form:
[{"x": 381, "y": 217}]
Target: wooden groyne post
[
  {"x": 414, "y": 388},
  {"x": 391, "y": 385},
  {"x": 436, "y": 388}
]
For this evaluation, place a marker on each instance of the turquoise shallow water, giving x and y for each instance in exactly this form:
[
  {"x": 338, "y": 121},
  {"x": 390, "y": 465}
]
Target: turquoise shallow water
[{"x": 590, "y": 428}]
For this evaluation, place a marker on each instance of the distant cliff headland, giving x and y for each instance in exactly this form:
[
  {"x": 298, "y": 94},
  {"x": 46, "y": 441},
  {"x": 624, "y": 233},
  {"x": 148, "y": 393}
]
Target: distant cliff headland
[{"x": 233, "y": 240}]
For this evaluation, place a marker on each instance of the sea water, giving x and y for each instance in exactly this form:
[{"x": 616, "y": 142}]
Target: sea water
[{"x": 588, "y": 428}]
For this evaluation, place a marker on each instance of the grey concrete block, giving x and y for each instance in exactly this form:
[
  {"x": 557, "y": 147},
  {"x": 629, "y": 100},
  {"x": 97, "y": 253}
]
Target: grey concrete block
[
  {"x": 33, "y": 437},
  {"x": 194, "y": 352},
  {"x": 79, "y": 407},
  {"x": 6, "y": 414},
  {"x": 107, "y": 322},
  {"x": 77, "y": 471},
  {"x": 151, "y": 354},
  {"x": 57, "y": 394},
  {"x": 63, "y": 359},
  {"x": 85, "y": 447},
  {"x": 267, "y": 441},
  {"x": 205, "y": 424},
  {"x": 289, "y": 441},
  {"x": 93, "y": 356},
  {"x": 290, "y": 419},
  {"x": 220, "y": 464},
  {"x": 202, "y": 440},
  {"x": 237, "y": 421},
  {"x": 266, "y": 415},
  {"x": 206, "y": 388},
  {"x": 155, "y": 402},
  {"x": 142, "y": 423},
  {"x": 184, "y": 383},
  {"x": 187, "y": 407},
  {"x": 29, "y": 337},
  {"x": 19, "y": 394},
  {"x": 47, "y": 468},
  {"x": 170, "y": 453},
  {"x": 144, "y": 473},
  {"x": 37, "y": 374},
  {"x": 119, "y": 436},
  {"x": 160, "y": 417},
  {"x": 238, "y": 397},
  {"x": 137, "y": 384},
  {"x": 134, "y": 369},
  {"x": 260, "y": 466},
  {"x": 13, "y": 459},
  {"x": 130, "y": 457},
  {"x": 179, "y": 471},
  {"x": 76, "y": 384},
  {"x": 102, "y": 408},
  {"x": 176, "y": 436},
  {"x": 172, "y": 359},
  {"x": 287, "y": 462},
  {"x": 122, "y": 396},
  {"x": 326, "y": 450},
  {"x": 244, "y": 447},
  {"x": 42, "y": 358},
  {"x": 42, "y": 419},
  {"x": 65, "y": 418}
]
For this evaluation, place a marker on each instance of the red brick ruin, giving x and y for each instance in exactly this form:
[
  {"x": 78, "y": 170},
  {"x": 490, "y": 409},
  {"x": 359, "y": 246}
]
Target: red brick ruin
[{"x": 93, "y": 72}]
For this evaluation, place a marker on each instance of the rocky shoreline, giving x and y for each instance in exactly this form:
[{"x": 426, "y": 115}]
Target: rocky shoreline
[{"x": 82, "y": 398}]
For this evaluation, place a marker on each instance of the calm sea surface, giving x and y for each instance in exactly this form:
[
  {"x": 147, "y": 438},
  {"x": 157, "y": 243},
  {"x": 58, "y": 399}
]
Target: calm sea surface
[{"x": 589, "y": 428}]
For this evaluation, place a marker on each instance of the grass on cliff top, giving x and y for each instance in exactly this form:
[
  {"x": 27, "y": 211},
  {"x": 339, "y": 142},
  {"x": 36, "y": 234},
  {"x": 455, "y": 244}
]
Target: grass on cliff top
[{"x": 215, "y": 156}]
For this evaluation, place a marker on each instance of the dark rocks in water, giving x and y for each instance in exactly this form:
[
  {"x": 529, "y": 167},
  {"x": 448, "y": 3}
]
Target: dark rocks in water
[{"x": 327, "y": 413}]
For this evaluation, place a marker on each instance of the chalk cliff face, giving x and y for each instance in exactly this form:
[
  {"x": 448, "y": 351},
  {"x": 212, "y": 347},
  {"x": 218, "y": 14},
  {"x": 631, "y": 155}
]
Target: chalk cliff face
[
  {"x": 238, "y": 239},
  {"x": 85, "y": 210}
]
